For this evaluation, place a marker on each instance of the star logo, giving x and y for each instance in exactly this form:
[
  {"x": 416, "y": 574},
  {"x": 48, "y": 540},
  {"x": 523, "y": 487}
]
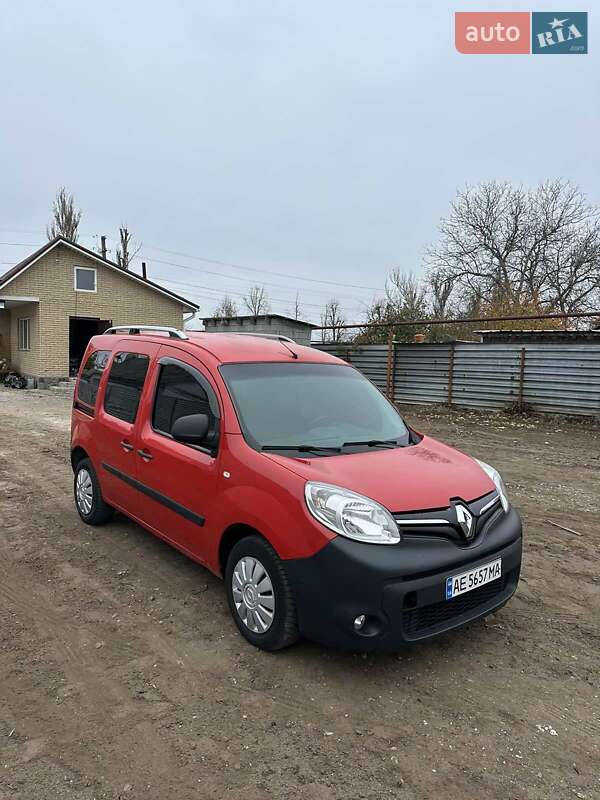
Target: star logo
[{"x": 559, "y": 32}]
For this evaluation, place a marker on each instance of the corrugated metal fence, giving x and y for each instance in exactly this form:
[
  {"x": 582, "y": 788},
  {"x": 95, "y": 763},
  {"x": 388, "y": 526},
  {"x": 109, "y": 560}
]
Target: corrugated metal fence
[{"x": 554, "y": 378}]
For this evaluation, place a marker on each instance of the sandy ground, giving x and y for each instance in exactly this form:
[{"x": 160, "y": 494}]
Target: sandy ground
[{"x": 122, "y": 675}]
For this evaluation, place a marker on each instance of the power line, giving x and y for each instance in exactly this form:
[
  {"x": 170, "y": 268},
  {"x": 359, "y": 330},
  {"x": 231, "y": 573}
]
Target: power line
[
  {"x": 194, "y": 286},
  {"x": 239, "y": 278},
  {"x": 255, "y": 269},
  {"x": 20, "y": 244},
  {"x": 209, "y": 272},
  {"x": 200, "y": 258},
  {"x": 215, "y": 294},
  {"x": 38, "y": 231},
  {"x": 218, "y": 294},
  {"x": 19, "y": 230}
]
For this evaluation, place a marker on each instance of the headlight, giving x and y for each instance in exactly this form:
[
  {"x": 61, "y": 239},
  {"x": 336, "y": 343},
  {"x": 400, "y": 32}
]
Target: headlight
[
  {"x": 498, "y": 482},
  {"x": 351, "y": 514}
]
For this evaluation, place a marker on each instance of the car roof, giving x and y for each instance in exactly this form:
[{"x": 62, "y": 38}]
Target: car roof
[{"x": 230, "y": 348}]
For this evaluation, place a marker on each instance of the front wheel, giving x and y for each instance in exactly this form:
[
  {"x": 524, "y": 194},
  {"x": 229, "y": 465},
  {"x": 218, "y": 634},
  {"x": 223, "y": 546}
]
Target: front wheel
[
  {"x": 259, "y": 595},
  {"x": 88, "y": 497}
]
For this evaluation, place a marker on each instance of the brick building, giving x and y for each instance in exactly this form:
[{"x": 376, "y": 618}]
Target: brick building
[{"x": 53, "y": 301}]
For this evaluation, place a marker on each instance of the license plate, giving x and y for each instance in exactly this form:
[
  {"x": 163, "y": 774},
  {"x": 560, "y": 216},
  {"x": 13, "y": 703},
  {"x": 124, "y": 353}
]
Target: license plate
[{"x": 473, "y": 579}]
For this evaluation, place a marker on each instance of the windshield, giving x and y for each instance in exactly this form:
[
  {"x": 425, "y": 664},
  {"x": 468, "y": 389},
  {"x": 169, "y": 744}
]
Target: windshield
[{"x": 307, "y": 406}]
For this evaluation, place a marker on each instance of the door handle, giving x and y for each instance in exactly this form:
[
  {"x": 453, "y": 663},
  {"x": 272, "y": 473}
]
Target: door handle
[
  {"x": 126, "y": 446},
  {"x": 145, "y": 455}
]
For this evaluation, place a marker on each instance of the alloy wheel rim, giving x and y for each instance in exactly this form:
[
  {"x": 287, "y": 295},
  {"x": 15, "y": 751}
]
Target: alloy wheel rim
[
  {"x": 253, "y": 594},
  {"x": 84, "y": 491}
]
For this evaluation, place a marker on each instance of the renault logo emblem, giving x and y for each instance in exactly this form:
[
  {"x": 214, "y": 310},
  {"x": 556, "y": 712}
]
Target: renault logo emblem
[{"x": 465, "y": 521}]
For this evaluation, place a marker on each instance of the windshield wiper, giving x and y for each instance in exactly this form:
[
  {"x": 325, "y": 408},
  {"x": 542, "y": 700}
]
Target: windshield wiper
[
  {"x": 373, "y": 443},
  {"x": 314, "y": 448},
  {"x": 302, "y": 448}
]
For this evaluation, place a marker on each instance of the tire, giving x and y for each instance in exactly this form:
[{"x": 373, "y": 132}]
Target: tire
[
  {"x": 255, "y": 604},
  {"x": 88, "y": 498}
]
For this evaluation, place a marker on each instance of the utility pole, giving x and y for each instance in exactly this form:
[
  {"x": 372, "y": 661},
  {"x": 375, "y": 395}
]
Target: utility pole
[{"x": 103, "y": 247}]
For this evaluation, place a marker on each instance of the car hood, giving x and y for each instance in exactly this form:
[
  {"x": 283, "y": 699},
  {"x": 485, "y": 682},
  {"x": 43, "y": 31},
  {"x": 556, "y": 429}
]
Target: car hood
[{"x": 423, "y": 476}]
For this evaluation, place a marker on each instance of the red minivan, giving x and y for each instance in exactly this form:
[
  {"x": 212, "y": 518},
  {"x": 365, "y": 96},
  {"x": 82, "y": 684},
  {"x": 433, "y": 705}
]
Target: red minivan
[{"x": 288, "y": 473}]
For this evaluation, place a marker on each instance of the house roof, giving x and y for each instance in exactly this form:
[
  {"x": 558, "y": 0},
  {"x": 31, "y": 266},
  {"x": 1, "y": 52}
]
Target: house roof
[
  {"x": 244, "y": 317},
  {"x": 60, "y": 240}
]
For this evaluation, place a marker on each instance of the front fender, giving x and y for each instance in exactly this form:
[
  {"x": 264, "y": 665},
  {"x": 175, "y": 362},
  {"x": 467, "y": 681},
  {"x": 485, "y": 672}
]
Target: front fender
[{"x": 278, "y": 515}]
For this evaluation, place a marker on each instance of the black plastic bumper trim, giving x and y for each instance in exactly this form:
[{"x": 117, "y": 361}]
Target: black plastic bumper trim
[
  {"x": 172, "y": 505},
  {"x": 399, "y": 588}
]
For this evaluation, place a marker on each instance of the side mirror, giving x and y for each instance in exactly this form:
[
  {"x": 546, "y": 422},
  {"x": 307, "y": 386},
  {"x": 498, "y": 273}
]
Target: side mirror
[{"x": 191, "y": 429}]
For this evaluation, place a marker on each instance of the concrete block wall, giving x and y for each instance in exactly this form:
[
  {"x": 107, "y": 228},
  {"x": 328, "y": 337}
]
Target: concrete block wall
[{"x": 298, "y": 332}]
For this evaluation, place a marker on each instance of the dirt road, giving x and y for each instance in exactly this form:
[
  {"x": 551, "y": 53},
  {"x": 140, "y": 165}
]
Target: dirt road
[{"x": 122, "y": 675}]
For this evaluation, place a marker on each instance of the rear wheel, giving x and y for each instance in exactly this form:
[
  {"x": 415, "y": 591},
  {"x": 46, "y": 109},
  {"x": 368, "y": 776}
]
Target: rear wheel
[
  {"x": 259, "y": 595},
  {"x": 88, "y": 497}
]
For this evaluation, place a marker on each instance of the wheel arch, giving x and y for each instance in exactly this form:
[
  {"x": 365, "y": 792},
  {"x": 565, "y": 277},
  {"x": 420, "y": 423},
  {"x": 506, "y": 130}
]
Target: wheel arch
[
  {"x": 231, "y": 536},
  {"x": 77, "y": 455}
]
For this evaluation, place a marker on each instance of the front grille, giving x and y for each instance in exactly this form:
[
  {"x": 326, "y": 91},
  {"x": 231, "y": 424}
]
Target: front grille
[
  {"x": 443, "y": 521},
  {"x": 438, "y": 615}
]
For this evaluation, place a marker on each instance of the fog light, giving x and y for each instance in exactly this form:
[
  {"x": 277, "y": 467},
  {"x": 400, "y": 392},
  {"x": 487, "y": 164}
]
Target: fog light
[{"x": 359, "y": 622}]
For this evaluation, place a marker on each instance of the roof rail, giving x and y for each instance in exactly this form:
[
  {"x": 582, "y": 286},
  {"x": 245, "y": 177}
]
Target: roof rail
[
  {"x": 278, "y": 336},
  {"x": 174, "y": 333}
]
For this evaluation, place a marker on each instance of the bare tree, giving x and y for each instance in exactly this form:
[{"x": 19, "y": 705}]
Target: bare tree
[
  {"x": 440, "y": 289},
  {"x": 406, "y": 294},
  {"x": 296, "y": 311},
  {"x": 574, "y": 273},
  {"x": 511, "y": 247},
  {"x": 226, "y": 308},
  {"x": 297, "y": 307},
  {"x": 333, "y": 318},
  {"x": 405, "y": 300},
  {"x": 256, "y": 301},
  {"x": 65, "y": 217},
  {"x": 126, "y": 251}
]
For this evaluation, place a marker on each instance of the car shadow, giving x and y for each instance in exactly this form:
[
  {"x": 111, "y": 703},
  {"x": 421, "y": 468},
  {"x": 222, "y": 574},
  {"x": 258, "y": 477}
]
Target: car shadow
[{"x": 164, "y": 567}]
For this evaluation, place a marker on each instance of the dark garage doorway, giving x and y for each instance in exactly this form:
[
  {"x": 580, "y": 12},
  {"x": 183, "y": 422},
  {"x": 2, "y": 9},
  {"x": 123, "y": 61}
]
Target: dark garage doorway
[{"x": 81, "y": 330}]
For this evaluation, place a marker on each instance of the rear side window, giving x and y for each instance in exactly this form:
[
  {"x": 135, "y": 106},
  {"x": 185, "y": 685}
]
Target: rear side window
[
  {"x": 178, "y": 394},
  {"x": 89, "y": 380},
  {"x": 124, "y": 386}
]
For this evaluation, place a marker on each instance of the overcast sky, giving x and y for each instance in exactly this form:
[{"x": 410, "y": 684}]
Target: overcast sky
[{"x": 321, "y": 141}]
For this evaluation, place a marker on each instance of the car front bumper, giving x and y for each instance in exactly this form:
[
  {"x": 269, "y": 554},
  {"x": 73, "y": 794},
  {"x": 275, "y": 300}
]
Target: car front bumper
[{"x": 400, "y": 588}]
